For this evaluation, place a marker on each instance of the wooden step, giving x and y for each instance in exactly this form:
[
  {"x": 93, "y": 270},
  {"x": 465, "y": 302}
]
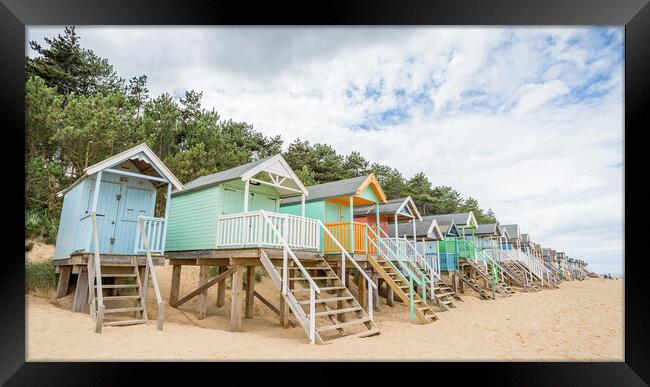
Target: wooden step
[
  {"x": 370, "y": 332},
  {"x": 314, "y": 278},
  {"x": 120, "y": 286},
  {"x": 112, "y": 298},
  {"x": 124, "y": 322},
  {"x": 118, "y": 275},
  {"x": 342, "y": 324},
  {"x": 326, "y": 289},
  {"x": 338, "y": 311},
  {"x": 321, "y": 300},
  {"x": 120, "y": 310},
  {"x": 444, "y": 294}
]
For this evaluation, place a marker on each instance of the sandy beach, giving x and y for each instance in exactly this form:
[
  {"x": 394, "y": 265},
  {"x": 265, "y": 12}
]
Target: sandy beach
[{"x": 581, "y": 321}]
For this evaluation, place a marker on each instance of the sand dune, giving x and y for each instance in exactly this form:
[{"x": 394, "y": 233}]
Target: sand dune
[{"x": 581, "y": 321}]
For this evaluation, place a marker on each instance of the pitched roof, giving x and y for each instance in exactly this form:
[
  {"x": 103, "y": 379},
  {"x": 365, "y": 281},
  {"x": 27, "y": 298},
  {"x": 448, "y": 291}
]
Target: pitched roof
[
  {"x": 351, "y": 186},
  {"x": 424, "y": 228},
  {"x": 275, "y": 164},
  {"x": 485, "y": 229},
  {"x": 391, "y": 207},
  {"x": 513, "y": 230},
  {"x": 141, "y": 154}
]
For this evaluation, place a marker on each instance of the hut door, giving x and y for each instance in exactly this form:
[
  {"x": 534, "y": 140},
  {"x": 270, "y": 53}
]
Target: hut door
[{"x": 108, "y": 204}]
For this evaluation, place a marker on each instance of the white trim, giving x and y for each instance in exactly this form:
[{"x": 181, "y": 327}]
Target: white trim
[
  {"x": 434, "y": 226},
  {"x": 471, "y": 219},
  {"x": 274, "y": 185},
  {"x": 277, "y": 158},
  {"x": 138, "y": 175},
  {"x": 127, "y": 155},
  {"x": 413, "y": 207}
]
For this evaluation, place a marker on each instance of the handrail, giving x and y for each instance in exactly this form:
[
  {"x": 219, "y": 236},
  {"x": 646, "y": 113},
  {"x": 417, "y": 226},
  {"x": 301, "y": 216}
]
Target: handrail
[
  {"x": 396, "y": 248},
  {"x": 432, "y": 273},
  {"x": 313, "y": 288},
  {"x": 489, "y": 262},
  {"x": 154, "y": 279},
  {"x": 420, "y": 281},
  {"x": 409, "y": 280},
  {"x": 344, "y": 255},
  {"x": 96, "y": 293},
  {"x": 347, "y": 255},
  {"x": 290, "y": 252}
]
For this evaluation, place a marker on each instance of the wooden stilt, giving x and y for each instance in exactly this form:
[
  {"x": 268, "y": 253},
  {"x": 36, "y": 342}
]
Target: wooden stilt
[
  {"x": 175, "y": 285},
  {"x": 250, "y": 291},
  {"x": 202, "y": 300},
  {"x": 235, "y": 295},
  {"x": 64, "y": 280},
  {"x": 284, "y": 313},
  {"x": 390, "y": 297},
  {"x": 375, "y": 293},
  {"x": 80, "y": 303},
  {"x": 363, "y": 291},
  {"x": 221, "y": 289}
]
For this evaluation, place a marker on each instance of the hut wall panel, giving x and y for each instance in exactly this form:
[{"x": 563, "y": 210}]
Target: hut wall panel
[
  {"x": 193, "y": 219},
  {"x": 66, "y": 236}
]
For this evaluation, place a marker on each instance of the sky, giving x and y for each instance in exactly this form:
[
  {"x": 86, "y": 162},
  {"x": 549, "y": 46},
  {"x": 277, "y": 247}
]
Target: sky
[{"x": 527, "y": 120}]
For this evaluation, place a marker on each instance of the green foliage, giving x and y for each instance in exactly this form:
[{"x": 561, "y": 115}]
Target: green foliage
[
  {"x": 41, "y": 225},
  {"x": 71, "y": 69},
  {"x": 40, "y": 275}
]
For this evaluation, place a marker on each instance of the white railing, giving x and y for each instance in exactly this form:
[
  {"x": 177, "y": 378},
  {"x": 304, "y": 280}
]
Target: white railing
[
  {"x": 154, "y": 231},
  {"x": 431, "y": 265},
  {"x": 150, "y": 270},
  {"x": 391, "y": 248},
  {"x": 287, "y": 253},
  {"x": 251, "y": 230}
]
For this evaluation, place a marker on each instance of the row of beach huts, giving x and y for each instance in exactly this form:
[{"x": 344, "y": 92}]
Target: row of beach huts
[{"x": 332, "y": 250}]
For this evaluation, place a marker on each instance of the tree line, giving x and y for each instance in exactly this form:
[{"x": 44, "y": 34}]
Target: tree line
[{"x": 79, "y": 111}]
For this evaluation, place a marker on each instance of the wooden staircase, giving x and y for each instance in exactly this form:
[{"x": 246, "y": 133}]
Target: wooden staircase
[
  {"x": 121, "y": 309},
  {"x": 518, "y": 274},
  {"x": 400, "y": 286},
  {"x": 473, "y": 285},
  {"x": 338, "y": 313},
  {"x": 445, "y": 296},
  {"x": 97, "y": 272},
  {"x": 500, "y": 287}
]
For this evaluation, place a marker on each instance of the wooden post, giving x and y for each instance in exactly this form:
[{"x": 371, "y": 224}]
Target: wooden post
[
  {"x": 143, "y": 271},
  {"x": 339, "y": 304},
  {"x": 362, "y": 286},
  {"x": 64, "y": 280},
  {"x": 235, "y": 295},
  {"x": 80, "y": 303},
  {"x": 284, "y": 312},
  {"x": 175, "y": 285},
  {"x": 375, "y": 293},
  {"x": 250, "y": 291},
  {"x": 202, "y": 300},
  {"x": 221, "y": 289},
  {"x": 352, "y": 249},
  {"x": 390, "y": 297}
]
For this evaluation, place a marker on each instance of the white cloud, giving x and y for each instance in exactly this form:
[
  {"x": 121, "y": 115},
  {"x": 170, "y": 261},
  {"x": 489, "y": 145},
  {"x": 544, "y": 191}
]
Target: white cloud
[{"x": 529, "y": 121}]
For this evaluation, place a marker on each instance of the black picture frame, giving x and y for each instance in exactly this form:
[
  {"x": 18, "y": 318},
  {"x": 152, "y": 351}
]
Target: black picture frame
[{"x": 634, "y": 14}]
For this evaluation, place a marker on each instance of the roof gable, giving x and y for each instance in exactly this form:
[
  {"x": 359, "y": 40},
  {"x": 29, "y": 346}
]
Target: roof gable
[
  {"x": 352, "y": 186},
  {"x": 138, "y": 155},
  {"x": 273, "y": 165}
]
